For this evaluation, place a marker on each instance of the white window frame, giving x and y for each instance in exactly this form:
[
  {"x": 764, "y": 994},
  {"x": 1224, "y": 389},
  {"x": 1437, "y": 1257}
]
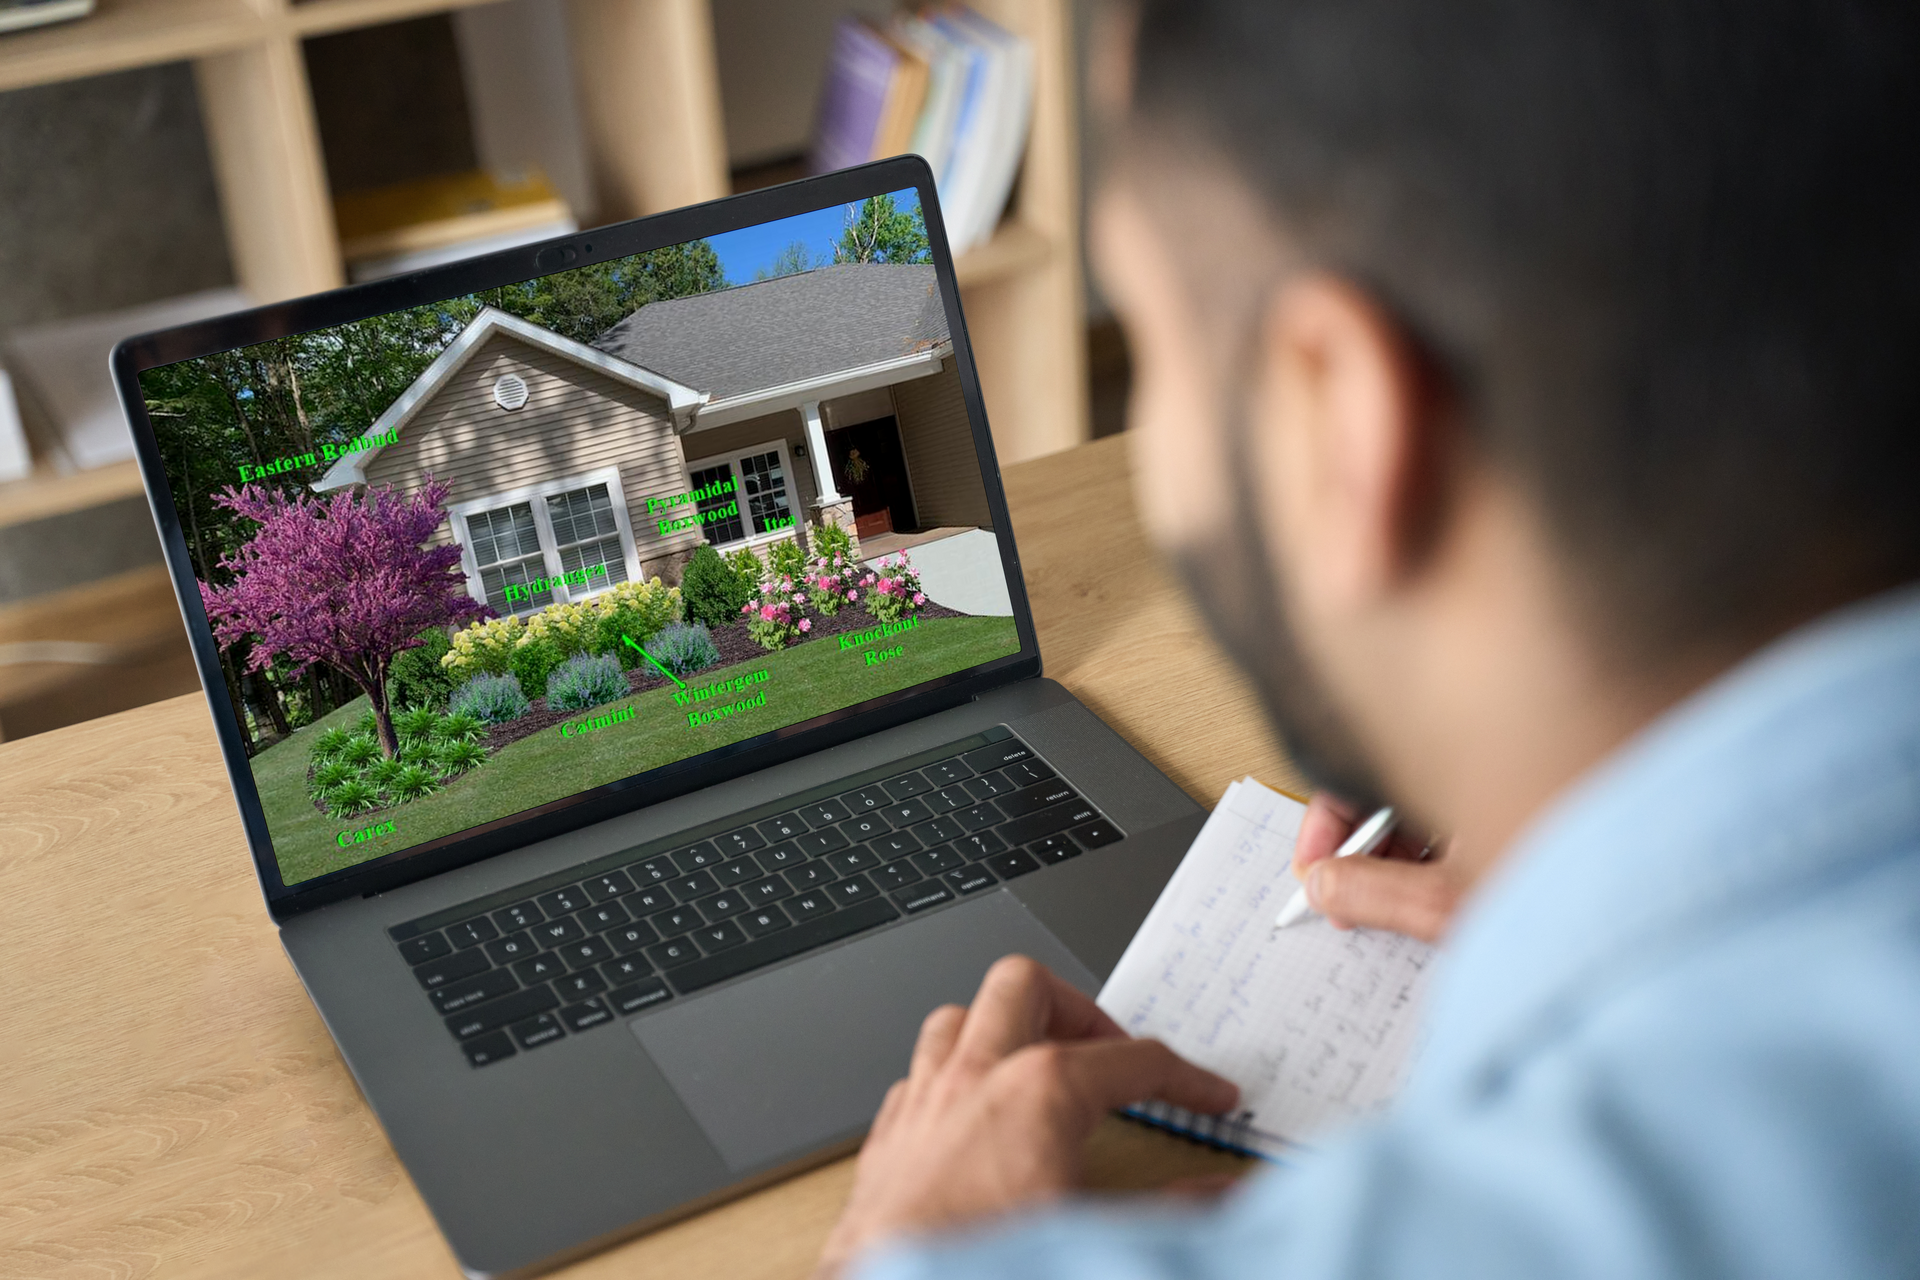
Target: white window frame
[
  {"x": 732, "y": 459},
  {"x": 537, "y": 495}
]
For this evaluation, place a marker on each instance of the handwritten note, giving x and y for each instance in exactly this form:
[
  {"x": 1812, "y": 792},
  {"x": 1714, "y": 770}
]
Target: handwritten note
[{"x": 1314, "y": 1025}]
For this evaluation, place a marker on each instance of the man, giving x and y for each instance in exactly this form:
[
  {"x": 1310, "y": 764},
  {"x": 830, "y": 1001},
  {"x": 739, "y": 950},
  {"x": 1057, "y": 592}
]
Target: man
[{"x": 1552, "y": 368}]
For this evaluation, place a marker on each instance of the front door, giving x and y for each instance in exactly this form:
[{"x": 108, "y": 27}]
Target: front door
[{"x": 870, "y": 466}]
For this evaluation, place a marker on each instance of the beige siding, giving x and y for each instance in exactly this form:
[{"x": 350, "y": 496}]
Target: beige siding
[
  {"x": 737, "y": 437},
  {"x": 947, "y": 489},
  {"x": 575, "y": 420}
]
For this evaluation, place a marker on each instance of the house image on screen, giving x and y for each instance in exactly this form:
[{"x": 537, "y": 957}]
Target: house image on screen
[{"x": 733, "y": 418}]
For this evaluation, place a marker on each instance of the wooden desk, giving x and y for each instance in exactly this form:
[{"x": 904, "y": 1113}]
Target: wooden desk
[{"x": 170, "y": 1104}]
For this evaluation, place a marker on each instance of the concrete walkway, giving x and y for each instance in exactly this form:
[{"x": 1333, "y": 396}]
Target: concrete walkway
[{"x": 963, "y": 572}]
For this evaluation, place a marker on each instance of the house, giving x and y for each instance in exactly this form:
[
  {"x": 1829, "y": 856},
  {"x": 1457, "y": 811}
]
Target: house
[{"x": 733, "y": 418}]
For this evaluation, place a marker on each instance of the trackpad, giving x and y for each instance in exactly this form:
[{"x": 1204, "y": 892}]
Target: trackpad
[{"x": 788, "y": 1062}]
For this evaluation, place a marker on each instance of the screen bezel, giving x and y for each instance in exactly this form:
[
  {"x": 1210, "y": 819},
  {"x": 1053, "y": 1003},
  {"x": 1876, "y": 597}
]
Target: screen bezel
[{"x": 511, "y": 266}]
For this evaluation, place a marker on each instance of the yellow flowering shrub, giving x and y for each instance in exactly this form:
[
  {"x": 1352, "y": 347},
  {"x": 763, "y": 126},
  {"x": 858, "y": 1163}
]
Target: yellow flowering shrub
[{"x": 593, "y": 625}]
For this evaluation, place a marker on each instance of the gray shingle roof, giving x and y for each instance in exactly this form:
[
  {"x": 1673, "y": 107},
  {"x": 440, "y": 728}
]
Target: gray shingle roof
[{"x": 778, "y": 331}]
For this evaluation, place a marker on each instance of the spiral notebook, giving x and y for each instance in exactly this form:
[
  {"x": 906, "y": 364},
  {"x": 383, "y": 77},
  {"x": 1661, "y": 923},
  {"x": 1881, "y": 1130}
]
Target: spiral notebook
[{"x": 1314, "y": 1024}]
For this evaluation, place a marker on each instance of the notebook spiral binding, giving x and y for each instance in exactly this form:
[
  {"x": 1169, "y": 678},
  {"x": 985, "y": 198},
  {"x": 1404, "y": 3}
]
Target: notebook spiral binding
[{"x": 1234, "y": 1132}]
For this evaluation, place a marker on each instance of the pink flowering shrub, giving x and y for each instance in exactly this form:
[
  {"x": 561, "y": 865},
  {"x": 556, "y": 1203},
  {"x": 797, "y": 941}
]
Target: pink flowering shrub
[
  {"x": 832, "y": 582},
  {"x": 775, "y": 617},
  {"x": 893, "y": 588}
]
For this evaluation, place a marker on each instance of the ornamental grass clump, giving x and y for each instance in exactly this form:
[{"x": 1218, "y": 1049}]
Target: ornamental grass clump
[
  {"x": 585, "y": 681},
  {"x": 893, "y": 588},
  {"x": 774, "y": 618},
  {"x": 331, "y": 773},
  {"x": 416, "y": 722},
  {"x": 459, "y": 756},
  {"x": 350, "y": 798},
  {"x": 412, "y": 782},
  {"x": 360, "y": 749},
  {"x": 459, "y": 727},
  {"x": 684, "y": 648},
  {"x": 490, "y": 699},
  {"x": 329, "y": 743}
]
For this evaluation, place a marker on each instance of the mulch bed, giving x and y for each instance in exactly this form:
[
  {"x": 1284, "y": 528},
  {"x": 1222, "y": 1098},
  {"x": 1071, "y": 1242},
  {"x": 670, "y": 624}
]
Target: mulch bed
[{"x": 735, "y": 645}]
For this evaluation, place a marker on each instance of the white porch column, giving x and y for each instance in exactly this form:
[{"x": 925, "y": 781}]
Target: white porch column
[{"x": 817, "y": 446}]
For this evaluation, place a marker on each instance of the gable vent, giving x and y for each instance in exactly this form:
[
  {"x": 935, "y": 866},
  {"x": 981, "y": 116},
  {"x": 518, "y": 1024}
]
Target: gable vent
[{"x": 510, "y": 391}]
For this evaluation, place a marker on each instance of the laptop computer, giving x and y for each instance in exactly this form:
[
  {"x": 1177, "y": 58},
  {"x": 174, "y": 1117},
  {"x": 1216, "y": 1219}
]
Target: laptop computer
[{"x": 621, "y": 660}]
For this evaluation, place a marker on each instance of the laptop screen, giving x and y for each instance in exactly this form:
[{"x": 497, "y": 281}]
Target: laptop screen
[{"x": 467, "y": 559}]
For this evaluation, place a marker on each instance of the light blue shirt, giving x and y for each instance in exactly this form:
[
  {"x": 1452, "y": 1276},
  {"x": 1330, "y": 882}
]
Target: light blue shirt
[{"x": 1678, "y": 1034}]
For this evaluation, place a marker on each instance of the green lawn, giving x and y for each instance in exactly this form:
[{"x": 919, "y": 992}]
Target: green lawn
[{"x": 802, "y": 683}]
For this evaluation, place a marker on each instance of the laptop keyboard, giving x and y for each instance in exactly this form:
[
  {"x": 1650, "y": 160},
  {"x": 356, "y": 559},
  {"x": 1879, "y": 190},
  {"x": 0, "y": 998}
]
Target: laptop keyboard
[{"x": 614, "y": 937}]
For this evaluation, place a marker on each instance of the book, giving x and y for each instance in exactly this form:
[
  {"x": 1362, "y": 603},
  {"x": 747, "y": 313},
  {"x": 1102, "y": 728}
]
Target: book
[
  {"x": 410, "y": 226},
  {"x": 1314, "y": 1024},
  {"x": 991, "y": 132},
  {"x": 18, "y": 15},
  {"x": 853, "y": 96}
]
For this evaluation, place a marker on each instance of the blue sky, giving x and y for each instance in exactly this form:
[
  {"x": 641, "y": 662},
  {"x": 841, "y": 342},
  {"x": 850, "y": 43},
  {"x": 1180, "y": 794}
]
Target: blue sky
[{"x": 744, "y": 252}]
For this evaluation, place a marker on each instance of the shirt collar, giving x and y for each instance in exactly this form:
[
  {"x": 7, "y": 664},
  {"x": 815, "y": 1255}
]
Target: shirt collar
[{"x": 1768, "y": 782}]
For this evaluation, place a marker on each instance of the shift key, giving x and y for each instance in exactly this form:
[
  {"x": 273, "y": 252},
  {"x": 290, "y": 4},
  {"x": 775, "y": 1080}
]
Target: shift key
[{"x": 498, "y": 1013}]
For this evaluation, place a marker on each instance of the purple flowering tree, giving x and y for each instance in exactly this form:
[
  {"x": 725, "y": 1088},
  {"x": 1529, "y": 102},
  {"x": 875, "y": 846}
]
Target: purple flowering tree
[{"x": 347, "y": 581}]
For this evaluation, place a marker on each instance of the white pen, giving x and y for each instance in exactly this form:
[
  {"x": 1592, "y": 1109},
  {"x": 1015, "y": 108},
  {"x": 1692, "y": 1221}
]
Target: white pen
[{"x": 1366, "y": 837}]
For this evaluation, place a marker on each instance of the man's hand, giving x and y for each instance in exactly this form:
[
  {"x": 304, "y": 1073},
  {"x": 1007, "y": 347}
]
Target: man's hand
[
  {"x": 997, "y": 1107},
  {"x": 1409, "y": 887}
]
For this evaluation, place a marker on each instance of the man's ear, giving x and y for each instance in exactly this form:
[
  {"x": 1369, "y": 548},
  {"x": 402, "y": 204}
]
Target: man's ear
[{"x": 1345, "y": 444}]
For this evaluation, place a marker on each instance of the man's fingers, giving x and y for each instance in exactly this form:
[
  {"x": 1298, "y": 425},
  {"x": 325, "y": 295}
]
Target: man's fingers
[
  {"x": 1413, "y": 898},
  {"x": 1021, "y": 1001},
  {"x": 938, "y": 1034},
  {"x": 1095, "y": 1077},
  {"x": 1327, "y": 824}
]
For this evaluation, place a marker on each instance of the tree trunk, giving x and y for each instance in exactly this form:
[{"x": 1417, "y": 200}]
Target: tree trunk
[
  {"x": 267, "y": 698},
  {"x": 229, "y": 667}
]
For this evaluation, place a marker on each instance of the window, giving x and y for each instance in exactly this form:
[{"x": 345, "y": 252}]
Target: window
[
  {"x": 763, "y": 499},
  {"x": 560, "y": 541}
]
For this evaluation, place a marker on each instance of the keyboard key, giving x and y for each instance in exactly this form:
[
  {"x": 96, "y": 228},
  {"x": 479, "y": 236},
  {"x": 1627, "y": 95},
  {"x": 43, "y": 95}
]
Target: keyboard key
[
  {"x": 565, "y": 901},
  {"x": 723, "y": 904},
  {"x": 907, "y": 812},
  {"x": 482, "y": 1050},
  {"x": 991, "y": 785},
  {"x": 759, "y": 924},
  {"x": 848, "y": 861},
  {"x": 521, "y": 915},
  {"x": 718, "y": 937},
  {"x": 738, "y": 871},
  {"x": 864, "y": 826},
  {"x": 577, "y": 986},
  {"x": 498, "y": 1013},
  {"x": 649, "y": 899},
  {"x": 1054, "y": 849},
  {"x": 1095, "y": 834},
  {"x": 939, "y": 831},
  {"x": 907, "y": 784},
  {"x": 784, "y": 827},
  {"x": 536, "y": 1031},
  {"x": 851, "y": 891},
  {"x": 896, "y": 845},
  {"x": 762, "y": 892},
  {"x": 634, "y": 998},
  {"x": 921, "y": 896},
  {"x": 697, "y": 885},
  {"x": 677, "y": 921},
  {"x": 1046, "y": 822},
  {"x": 468, "y": 992},
  {"x": 673, "y": 952},
  {"x": 540, "y": 968},
  {"x": 603, "y": 917},
  {"x": 579, "y": 955},
  {"x": 471, "y": 933},
  {"x": 625, "y": 969},
  {"x": 515, "y": 946},
  {"x": 815, "y": 875},
  {"x": 981, "y": 815},
  {"x": 947, "y": 799},
  {"x": 580, "y": 1017},
  {"x": 866, "y": 799},
  {"x": 780, "y": 857},
  {"x": 610, "y": 885},
  {"x": 742, "y": 840},
  {"x": 428, "y": 946},
  {"x": 653, "y": 871},
  {"x": 824, "y": 813},
  {"x": 1033, "y": 799},
  {"x": 947, "y": 772},
  {"x": 897, "y": 875},
  {"x": 803, "y": 937},
  {"x": 979, "y": 845},
  {"x": 1027, "y": 773},
  {"x": 461, "y": 964},
  {"x": 1000, "y": 754},
  {"x": 970, "y": 879},
  {"x": 556, "y": 933},
  {"x": 695, "y": 857},
  {"x": 815, "y": 843},
  {"x": 629, "y": 938},
  {"x": 934, "y": 862},
  {"x": 810, "y": 904},
  {"x": 1011, "y": 863}
]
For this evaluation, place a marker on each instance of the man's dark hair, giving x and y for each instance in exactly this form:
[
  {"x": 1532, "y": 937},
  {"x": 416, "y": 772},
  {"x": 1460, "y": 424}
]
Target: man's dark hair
[{"x": 1666, "y": 251}]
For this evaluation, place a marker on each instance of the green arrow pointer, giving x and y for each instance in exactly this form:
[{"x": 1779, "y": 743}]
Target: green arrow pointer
[{"x": 656, "y": 662}]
